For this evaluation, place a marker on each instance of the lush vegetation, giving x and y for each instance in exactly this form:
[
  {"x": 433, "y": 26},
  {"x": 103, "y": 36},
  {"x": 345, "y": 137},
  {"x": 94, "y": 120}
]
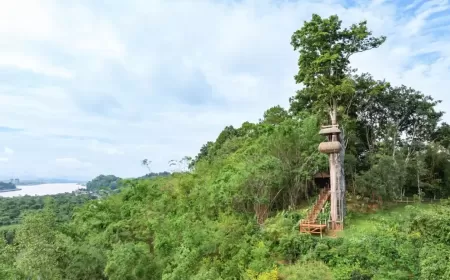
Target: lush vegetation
[
  {"x": 155, "y": 174},
  {"x": 111, "y": 182},
  {"x": 103, "y": 182},
  {"x": 12, "y": 208},
  {"x": 232, "y": 212},
  {"x": 7, "y": 186}
]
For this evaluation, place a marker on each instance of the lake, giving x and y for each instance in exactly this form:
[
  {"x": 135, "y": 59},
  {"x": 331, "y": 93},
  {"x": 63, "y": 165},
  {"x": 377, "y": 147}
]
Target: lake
[{"x": 43, "y": 189}]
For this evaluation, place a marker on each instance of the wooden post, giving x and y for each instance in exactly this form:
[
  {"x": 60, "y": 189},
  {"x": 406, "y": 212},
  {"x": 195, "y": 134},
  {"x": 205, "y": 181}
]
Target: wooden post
[
  {"x": 320, "y": 228},
  {"x": 333, "y": 185},
  {"x": 334, "y": 150}
]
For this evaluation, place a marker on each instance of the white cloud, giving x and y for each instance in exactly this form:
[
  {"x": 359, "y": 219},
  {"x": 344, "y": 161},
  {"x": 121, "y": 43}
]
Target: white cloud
[
  {"x": 414, "y": 4},
  {"x": 3, "y": 159},
  {"x": 425, "y": 11},
  {"x": 32, "y": 64},
  {"x": 101, "y": 88},
  {"x": 105, "y": 148},
  {"x": 33, "y": 33},
  {"x": 26, "y": 20},
  {"x": 8, "y": 151},
  {"x": 72, "y": 163}
]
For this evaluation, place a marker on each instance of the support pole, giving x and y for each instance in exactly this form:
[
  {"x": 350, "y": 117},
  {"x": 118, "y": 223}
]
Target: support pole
[{"x": 333, "y": 189}]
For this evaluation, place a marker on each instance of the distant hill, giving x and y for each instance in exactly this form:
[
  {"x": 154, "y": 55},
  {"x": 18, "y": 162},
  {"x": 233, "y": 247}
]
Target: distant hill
[
  {"x": 7, "y": 187},
  {"x": 113, "y": 182},
  {"x": 153, "y": 175},
  {"x": 103, "y": 182}
]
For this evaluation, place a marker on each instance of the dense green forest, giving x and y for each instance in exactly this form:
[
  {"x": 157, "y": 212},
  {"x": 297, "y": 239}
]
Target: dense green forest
[
  {"x": 11, "y": 208},
  {"x": 234, "y": 212},
  {"x": 111, "y": 182},
  {"x": 102, "y": 182},
  {"x": 155, "y": 174},
  {"x": 7, "y": 186}
]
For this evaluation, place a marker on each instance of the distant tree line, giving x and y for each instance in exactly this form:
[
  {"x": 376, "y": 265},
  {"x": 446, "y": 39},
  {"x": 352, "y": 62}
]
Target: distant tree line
[
  {"x": 112, "y": 182},
  {"x": 12, "y": 208},
  {"x": 103, "y": 182},
  {"x": 154, "y": 175},
  {"x": 7, "y": 186}
]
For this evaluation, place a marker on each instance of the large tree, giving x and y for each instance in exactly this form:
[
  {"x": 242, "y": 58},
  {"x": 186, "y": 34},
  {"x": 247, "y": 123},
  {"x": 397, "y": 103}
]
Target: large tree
[
  {"x": 325, "y": 49},
  {"x": 324, "y": 70}
]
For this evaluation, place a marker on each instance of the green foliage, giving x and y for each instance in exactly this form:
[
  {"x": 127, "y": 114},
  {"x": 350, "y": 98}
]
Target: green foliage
[
  {"x": 442, "y": 135},
  {"x": 435, "y": 261},
  {"x": 12, "y": 208},
  {"x": 7, "y": 255},
  {"x": 275, "y": 115},
  {"x": 109, "y": 182},
  {"x": 155, "y": 174},
  {"x": 306, "y": 270},
  {"x": 385, "y": 178},
  {"x": 269, "y": 275},
  {"x": 38, "y": 256},
  {"x": 7, "y": 186},
  {"x": 324, "y": 66},
  {"x": 130, "y": 261}
]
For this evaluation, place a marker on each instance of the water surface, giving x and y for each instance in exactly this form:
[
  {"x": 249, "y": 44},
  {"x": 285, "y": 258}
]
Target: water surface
[{"x": 43, "y": 189}]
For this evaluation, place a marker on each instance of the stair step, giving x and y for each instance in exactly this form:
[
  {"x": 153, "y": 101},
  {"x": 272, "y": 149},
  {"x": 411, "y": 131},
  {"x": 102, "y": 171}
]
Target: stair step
[{"x": 318, "y": 206}]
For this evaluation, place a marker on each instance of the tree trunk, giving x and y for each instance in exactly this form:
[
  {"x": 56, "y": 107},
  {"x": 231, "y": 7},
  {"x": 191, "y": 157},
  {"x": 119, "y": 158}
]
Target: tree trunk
[
  {"x": 418, "y": 180},
  {"x": 335, "y": 174},
  {"x": 341, "y": 174},
  {"x": 333, "y": 113},
  {"x": 261, "y": 211}
]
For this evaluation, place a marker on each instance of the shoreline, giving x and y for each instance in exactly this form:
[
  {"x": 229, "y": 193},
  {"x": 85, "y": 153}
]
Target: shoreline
[
  {"x": 12, "y": 190},
  {"x": 45, "y": 183},
  {"x": 41, "y": 190}
]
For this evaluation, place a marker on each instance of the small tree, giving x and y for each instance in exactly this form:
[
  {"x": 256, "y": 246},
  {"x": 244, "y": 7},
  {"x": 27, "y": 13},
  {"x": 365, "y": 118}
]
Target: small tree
[
  {"x": 183, "y": 165},
  {"x": 147, "y": 163}
]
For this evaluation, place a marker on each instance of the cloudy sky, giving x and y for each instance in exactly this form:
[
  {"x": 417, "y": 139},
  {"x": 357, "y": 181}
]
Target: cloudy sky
[{"x": 90, "y": 87}]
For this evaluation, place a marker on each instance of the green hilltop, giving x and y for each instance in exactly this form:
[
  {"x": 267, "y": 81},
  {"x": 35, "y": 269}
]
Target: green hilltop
[{"x": 7, "y": 187}]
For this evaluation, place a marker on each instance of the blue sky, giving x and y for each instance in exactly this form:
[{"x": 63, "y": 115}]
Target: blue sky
[{"x": 90, "y": 87}]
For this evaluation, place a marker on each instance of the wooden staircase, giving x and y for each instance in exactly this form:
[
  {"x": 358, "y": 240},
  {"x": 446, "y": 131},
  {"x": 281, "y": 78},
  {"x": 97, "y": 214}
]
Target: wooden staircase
[{"x": 311, "y": 224}]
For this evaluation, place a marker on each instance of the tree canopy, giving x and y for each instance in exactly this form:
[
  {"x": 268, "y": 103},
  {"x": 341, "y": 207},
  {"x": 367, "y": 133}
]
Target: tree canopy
[{"x": 103, "y": 182}]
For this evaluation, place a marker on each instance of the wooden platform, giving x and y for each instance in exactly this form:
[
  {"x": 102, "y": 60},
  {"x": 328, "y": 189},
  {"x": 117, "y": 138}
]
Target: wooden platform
[
  {"x": 311, "y": 224},
  {"x": 313, "y": 228}
]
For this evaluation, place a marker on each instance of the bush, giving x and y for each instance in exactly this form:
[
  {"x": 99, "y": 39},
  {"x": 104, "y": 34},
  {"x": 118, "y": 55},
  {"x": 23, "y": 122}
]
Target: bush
[{"x": 306, "y": 271}]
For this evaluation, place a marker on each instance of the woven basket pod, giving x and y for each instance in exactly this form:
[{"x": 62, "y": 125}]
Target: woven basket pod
[{"x": 330, "y": 147}]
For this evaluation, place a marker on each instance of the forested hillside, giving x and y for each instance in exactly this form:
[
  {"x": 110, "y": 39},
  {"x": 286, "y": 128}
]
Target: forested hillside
[
  {"x": 11, "y": 209},
  {"x": 108, "y": 182},
  {"x": 234, "y": 214},
  {"x": 111, "y": 182},
  {"x": 7, "y": 186}
]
